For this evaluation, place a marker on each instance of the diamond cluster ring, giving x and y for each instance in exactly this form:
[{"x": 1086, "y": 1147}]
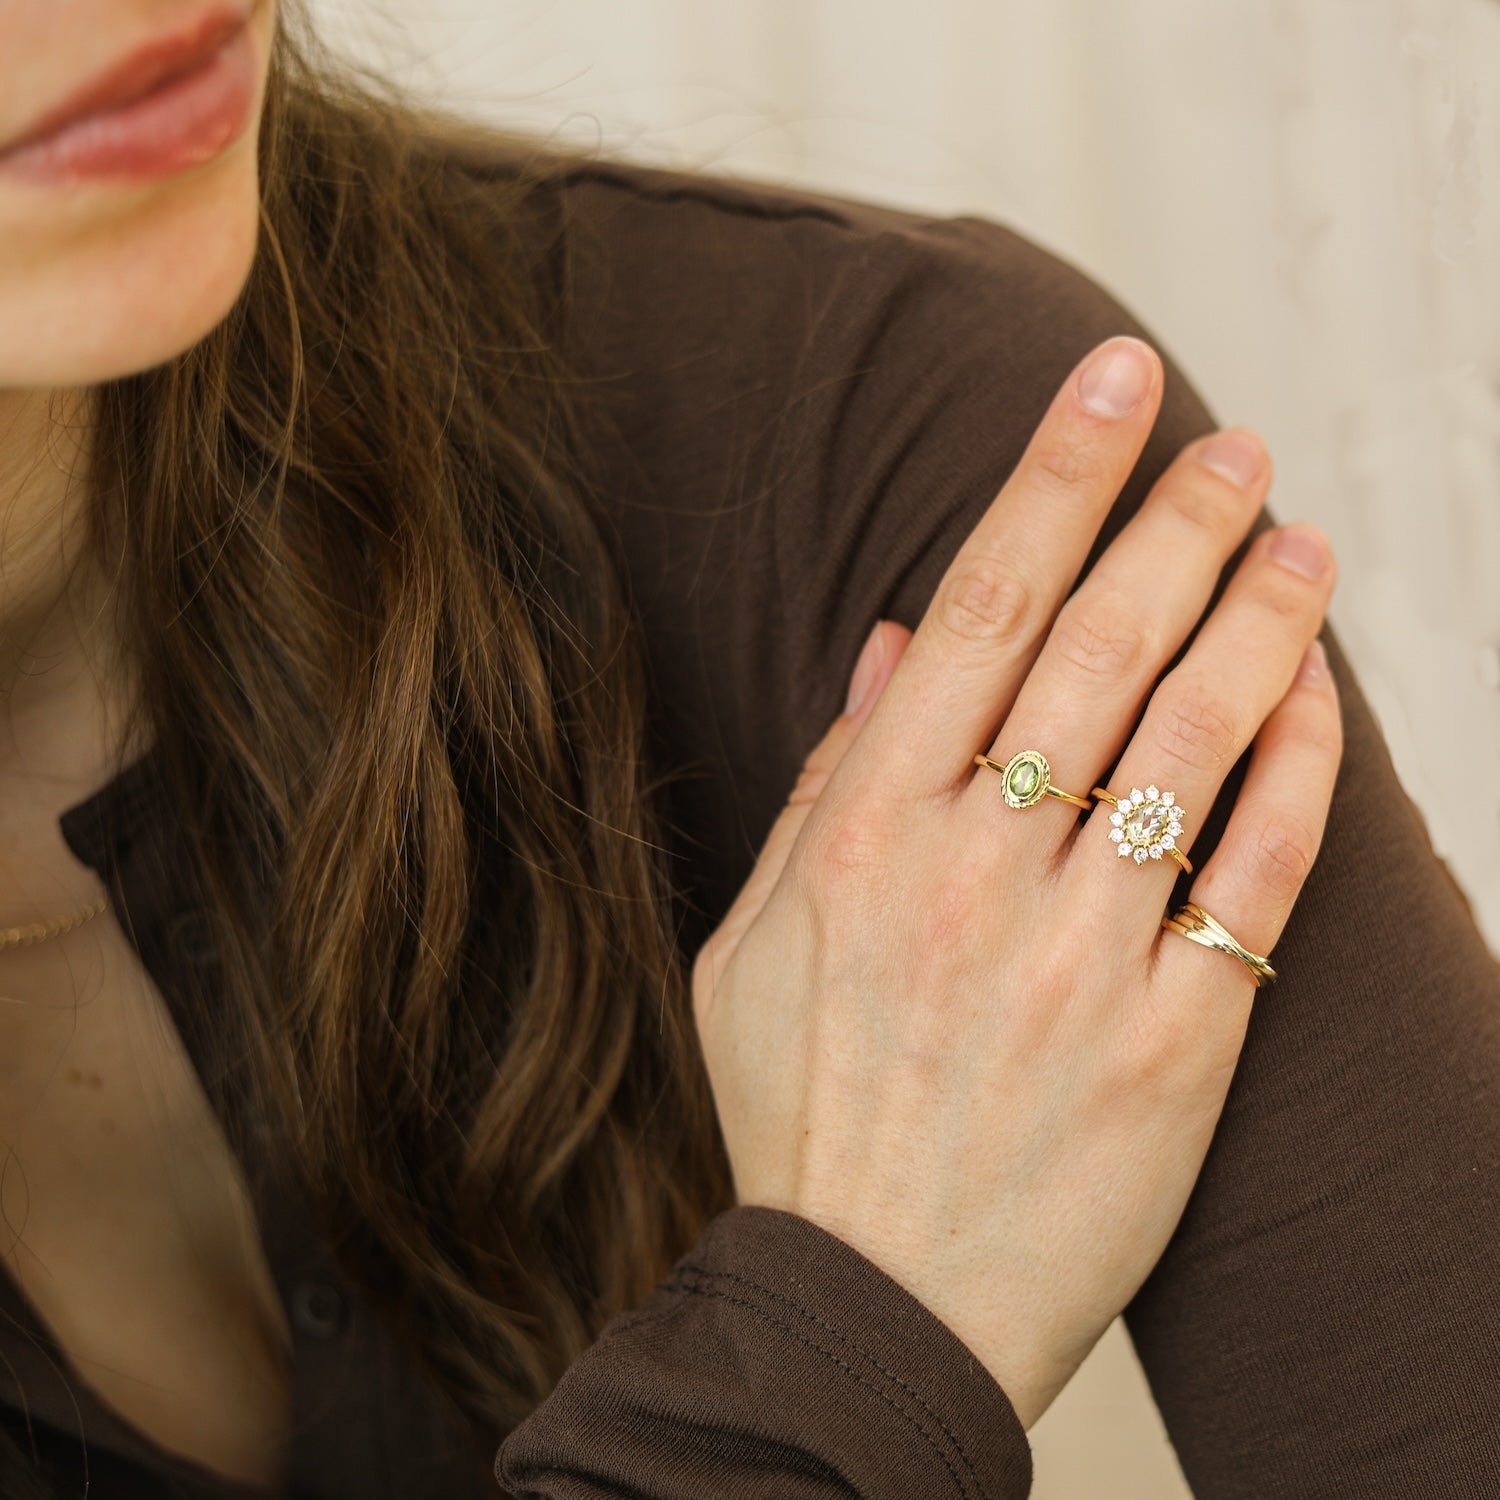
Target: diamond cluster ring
[{"x": 1145, "y": 825}]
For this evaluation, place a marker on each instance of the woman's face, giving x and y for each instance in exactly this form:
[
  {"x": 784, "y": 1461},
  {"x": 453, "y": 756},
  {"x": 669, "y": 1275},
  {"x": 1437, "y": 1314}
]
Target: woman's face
[{"x": 126, "y": 236}]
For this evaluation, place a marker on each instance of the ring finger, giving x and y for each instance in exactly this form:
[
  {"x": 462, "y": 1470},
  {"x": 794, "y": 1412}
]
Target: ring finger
[
  {"x": 1206, "y": 711},
  {"x": 1258, "y": 867}
]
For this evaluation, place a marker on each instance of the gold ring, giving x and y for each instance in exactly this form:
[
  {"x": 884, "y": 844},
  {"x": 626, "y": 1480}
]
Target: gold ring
[
  {"x": 1145, "y": 825},
  {"x": 1195, "y": 923},
  {"x": 1027, "y": 778}
]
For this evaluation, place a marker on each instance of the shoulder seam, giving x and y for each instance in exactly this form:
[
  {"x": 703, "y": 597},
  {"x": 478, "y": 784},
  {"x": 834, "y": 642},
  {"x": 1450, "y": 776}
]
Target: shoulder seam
[{"x": 703, "y": 190}]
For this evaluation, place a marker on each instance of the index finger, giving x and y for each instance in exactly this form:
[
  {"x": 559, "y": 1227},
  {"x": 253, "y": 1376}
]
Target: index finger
[{"x": 995, "y": 602}]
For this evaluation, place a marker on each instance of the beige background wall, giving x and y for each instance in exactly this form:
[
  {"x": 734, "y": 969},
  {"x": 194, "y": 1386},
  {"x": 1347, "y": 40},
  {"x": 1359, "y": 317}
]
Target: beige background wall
[{"x": 1298, "y": 196}]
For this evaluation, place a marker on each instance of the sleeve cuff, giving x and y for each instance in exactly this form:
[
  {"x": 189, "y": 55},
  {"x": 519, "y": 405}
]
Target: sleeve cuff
[{"x": 775, "y": 1354}]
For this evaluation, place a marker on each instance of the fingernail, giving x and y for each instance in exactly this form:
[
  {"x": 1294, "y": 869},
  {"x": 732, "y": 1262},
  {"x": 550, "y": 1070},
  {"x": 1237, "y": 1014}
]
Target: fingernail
[
  {"x": 1301, "y": 549},
  {"x": 1238, "y": 456},
  {"x": 1116, "y": 379},
  {"x": 1314, "y": 667},
  {"x": 866, "y": 669}
]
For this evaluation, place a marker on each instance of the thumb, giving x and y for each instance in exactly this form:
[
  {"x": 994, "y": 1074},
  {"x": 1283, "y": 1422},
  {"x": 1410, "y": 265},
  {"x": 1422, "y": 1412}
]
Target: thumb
[{"x": 877, "y": 660}]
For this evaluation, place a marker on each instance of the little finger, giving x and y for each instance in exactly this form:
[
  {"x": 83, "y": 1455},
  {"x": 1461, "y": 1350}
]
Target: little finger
[{"x": 1258, "y": 869}]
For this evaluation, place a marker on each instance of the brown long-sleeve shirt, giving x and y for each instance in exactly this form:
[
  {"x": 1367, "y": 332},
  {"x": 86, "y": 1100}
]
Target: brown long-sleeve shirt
[{"x": 799, "y": 406}]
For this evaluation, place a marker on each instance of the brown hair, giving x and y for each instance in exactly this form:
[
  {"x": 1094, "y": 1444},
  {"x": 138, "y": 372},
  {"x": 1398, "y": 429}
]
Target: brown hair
[{"x": 389, "y": 669}]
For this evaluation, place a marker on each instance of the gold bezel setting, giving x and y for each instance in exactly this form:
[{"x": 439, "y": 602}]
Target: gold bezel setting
[{"x": 1020, "y": 789}]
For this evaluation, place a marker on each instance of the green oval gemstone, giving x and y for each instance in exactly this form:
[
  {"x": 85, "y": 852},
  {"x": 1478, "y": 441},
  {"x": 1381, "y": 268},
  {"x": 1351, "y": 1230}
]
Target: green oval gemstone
[{"x": 1024, "y": 778}]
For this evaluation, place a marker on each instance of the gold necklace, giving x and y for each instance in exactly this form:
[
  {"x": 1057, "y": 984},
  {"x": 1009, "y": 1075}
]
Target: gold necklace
[{"x": 35, "y": 932}]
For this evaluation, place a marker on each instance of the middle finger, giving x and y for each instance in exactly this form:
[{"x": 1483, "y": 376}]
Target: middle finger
[{"x": 1127, "y": 619}]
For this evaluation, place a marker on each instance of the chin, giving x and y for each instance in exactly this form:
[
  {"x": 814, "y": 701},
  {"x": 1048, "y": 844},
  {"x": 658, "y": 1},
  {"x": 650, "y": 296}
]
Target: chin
[
  {"x": 130, "y": 292},
  {"x": 100, "y": 280}
]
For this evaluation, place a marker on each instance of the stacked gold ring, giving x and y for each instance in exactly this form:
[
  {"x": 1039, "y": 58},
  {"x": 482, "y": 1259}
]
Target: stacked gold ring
[
  {"x": 1026, "y": 778},
  {"x": 1195, "y": 923}
]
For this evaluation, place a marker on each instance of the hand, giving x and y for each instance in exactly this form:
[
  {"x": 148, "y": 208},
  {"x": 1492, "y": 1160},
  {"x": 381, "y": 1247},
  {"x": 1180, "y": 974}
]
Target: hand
[{"x": 953, "y": 1033}]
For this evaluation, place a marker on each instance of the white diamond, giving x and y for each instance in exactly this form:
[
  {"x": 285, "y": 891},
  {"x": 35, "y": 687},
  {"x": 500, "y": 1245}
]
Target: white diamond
[
  {"x": 1123, "y": 850},
  {"x": 1117, "y": 818},
  {"x": 1175, "y": 828},
  {"x": 1156, "y": 851},
  {"x": 1135, "y": 796},
  {"x": 1140, "y": 856},
  {"x": 1168, "y": 842},
  {"x": 1152, "y": 794},
  {"x": 1168, "y": 798},
  {"x": 1116, "y": 834}
]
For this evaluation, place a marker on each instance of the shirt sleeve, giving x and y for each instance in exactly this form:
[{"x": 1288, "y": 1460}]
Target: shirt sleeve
[
  {"x": 1322, "y": 1322},
  {"x": 815, "y": 405},
  {"x": 773, "y": 1361}
]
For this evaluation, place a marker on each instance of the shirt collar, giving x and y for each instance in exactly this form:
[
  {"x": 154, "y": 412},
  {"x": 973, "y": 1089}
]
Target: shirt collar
[{"x": 111, "y": 820}]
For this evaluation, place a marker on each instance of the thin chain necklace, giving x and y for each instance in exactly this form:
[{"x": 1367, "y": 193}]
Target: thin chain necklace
[{"x": 36, "y": 932}]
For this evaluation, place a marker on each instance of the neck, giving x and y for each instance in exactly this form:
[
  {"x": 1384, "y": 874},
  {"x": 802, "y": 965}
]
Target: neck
[{"x": 61, "y": 682}]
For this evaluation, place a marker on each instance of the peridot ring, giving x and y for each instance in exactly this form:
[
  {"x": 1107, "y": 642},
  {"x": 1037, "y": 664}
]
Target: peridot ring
[{"x": 1026, "y": 778}]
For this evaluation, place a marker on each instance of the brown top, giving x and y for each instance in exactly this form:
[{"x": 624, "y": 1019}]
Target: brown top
[{"x": 802, "y": 404}]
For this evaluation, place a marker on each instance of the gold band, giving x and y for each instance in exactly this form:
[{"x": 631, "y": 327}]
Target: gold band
[
  {"x": 1195, "y": 923},
  {"x": 1130, "y": 812},
  {"x": 1026, "y": 778}
]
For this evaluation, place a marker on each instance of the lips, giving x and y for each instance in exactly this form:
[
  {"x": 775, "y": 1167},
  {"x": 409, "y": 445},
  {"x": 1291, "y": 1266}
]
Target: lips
[{"x": 139, "y": 73}]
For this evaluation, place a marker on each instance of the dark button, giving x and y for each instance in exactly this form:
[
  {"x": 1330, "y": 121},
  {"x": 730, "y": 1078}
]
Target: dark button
[
  {"x": 318, "y": 1308},
  {"x": 191, "y": 939}
]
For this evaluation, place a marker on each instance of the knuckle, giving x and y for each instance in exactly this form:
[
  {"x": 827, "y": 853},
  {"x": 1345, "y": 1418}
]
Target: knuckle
[
  {"x": 1150, "y": 1051},
  {"x": 1066, "y": 465},
  {"x": 985, "y": 599},
  {"x": 1198, "y": 729},
  {"x": 1281, "y": 854},
  {"x": 843, "y": 849},
  {"x": 1204, "y": 503},
  {"x": 1183, "y": 1059},
  {"x": 1286, "y": 598},
  {"x": 1102, "y": 638},
  {"x": 1320, "y": 731},
  {"x": 838, "y": 878}
]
